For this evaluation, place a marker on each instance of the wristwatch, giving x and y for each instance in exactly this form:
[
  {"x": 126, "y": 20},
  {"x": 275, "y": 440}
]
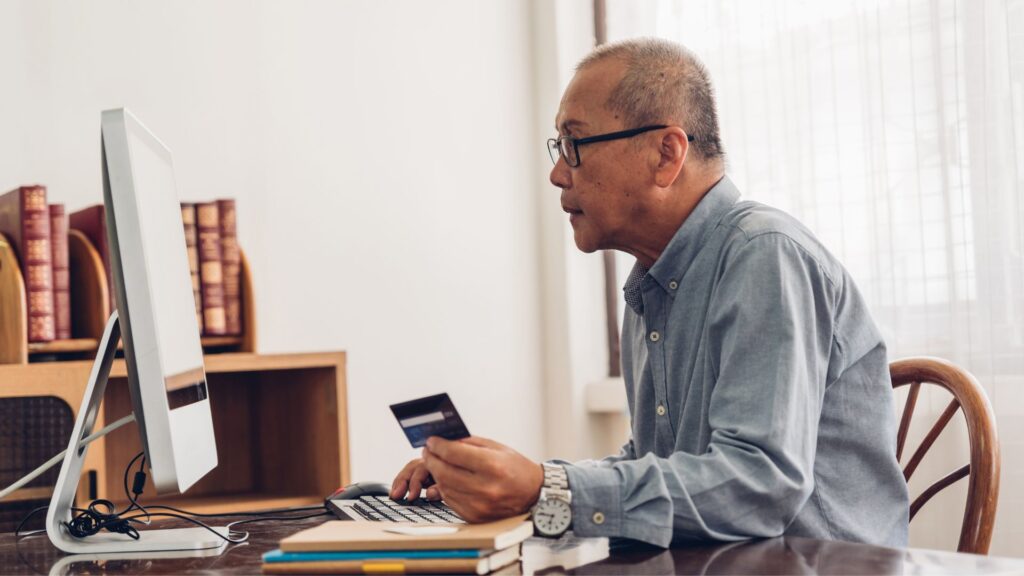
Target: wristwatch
[{"x": 552, "y": 515}]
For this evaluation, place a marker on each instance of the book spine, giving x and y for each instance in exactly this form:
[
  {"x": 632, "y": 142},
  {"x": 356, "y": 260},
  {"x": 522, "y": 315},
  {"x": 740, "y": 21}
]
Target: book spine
[
  {"x": 37, "y": 259},
  {"x": 232, "y": 266},
  {"x": 188, "y": 218},
  {"x": 61, "y": 272},
  {"x": 211, "y": 275}
]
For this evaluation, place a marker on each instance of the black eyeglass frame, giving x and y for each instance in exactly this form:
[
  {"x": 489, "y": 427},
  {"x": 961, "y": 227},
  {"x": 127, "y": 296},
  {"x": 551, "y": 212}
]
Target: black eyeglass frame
[{"x": 556, "y": 143}]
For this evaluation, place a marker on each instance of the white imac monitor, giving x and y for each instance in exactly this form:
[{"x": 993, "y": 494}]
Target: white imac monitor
[
  {"x": 153, "y": 291},
  {"x": 156, "y": 320}
]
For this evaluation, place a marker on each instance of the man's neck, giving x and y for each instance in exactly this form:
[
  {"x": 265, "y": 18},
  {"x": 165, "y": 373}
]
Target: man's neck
[{"x": 669, "y": 217}]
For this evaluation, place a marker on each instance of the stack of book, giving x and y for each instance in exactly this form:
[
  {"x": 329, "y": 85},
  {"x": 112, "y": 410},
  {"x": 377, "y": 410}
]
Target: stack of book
[
  {"x": 38, "y": 232},
  {"x": 384, "y": 547},
  {"x": 215, "y": 261}
]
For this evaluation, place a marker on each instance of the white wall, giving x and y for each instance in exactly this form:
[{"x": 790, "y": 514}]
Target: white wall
[
  {"x": 573, "y": 308},
  {"x": 384, "y": 158}
]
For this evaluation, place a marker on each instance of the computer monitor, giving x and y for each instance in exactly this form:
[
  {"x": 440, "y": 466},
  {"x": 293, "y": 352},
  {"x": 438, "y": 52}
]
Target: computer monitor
[{"x": 156, "y": 320}]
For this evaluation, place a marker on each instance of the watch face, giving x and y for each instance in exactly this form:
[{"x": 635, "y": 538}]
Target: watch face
[{"x": 552, "y": 516}]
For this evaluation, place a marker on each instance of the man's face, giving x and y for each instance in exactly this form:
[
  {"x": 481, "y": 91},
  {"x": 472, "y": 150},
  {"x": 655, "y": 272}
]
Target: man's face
[{"x": 601, "y": 195}]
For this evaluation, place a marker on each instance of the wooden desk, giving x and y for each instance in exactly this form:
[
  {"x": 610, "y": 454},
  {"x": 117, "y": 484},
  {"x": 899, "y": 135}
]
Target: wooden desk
[{"x": 774, "y": 556}]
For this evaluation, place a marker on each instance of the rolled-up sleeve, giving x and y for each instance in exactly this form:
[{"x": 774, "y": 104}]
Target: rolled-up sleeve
[{"x": 769, "y": 329}]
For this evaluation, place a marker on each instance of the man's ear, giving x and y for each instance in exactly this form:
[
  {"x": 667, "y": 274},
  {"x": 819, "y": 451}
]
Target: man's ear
[{"x": 672, "y": 150}]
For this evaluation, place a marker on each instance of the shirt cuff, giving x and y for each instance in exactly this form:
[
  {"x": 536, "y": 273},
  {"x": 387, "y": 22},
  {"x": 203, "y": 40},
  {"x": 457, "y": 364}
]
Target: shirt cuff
[{"x": 597, "y": 508}]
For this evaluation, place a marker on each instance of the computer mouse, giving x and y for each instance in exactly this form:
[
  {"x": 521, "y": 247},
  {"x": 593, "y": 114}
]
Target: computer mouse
[{"x": 357, "y": 489}]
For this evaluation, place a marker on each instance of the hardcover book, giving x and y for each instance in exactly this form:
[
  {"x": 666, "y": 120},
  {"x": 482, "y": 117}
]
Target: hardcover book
[
  {"x": 25, "y": 221},
  {"x": 188, "y": 218},
  {"x": 211, "y": 275},
  {"x": 341, "y": 536},
  {"x": 92, "y": 222},
  {"x": 231, "y": 267},
  {"x": 61, "y": 272}
]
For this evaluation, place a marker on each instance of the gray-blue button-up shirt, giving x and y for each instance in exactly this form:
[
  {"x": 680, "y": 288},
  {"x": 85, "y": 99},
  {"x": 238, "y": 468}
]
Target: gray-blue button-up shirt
[{"x": 759, "y": 392}]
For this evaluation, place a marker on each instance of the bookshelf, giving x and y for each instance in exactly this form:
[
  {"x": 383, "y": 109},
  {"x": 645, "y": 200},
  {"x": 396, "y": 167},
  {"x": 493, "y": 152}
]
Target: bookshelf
[
  {"x": 90, "y": 309},
  {"x": 280, "y": 419}
]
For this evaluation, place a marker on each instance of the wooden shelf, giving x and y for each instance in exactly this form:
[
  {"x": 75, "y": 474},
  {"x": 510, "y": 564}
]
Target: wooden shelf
[
  {"x": 88, "y": 345},
  {"x": 249, "y": 501},
  {"x": 280, "y": 422},
  {"x": 63, "y": 346},
  {"x": 90, "y": 309}
]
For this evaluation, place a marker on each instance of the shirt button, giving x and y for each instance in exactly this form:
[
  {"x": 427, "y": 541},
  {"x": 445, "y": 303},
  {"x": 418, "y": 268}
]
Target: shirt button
[
  {"x": 598, "y": 518},
  {"x": 661, "y": 410},
  {"x": 673, "y": 284},
  {"x": 655, "y": 336}
]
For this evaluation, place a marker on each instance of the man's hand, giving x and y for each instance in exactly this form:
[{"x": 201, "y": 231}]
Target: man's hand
[
  {"x": 480, "y": 479},
  {"x": 413, "y": 478}
]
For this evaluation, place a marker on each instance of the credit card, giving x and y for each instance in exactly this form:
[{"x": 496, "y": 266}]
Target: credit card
[{"x": 430, "y": 416}]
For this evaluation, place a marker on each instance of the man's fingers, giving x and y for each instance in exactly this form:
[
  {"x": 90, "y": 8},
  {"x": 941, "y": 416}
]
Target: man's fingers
[
  {"x": 401, "y": 482},
  {"x": 459, "y": 453},
  {"x": 418, "y": 481},
  {"x": 482, "y": 442},
  {"x": 461, "y": 503},
  {"x": 433, "y": 493},
  {"x": 447, "y": 475}
]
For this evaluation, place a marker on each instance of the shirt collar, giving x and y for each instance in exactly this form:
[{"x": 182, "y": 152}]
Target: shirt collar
[{"x": 685, "y": 244}]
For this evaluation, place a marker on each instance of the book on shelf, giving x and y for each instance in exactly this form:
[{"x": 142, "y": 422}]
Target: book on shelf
[
  {"x": 188, "y": 218},
  {"x": 92, "y": 222},
  {"x": 459, "y": 561},
  {"x": 25, "y": 221},
  {"x": 61, "y": 272},
  {"x": 211, "y": 274},
  {"x": 231, "y": 267}
]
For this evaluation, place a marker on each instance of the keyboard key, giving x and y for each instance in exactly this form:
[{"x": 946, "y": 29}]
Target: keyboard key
[{"x": 384, "y": 509}]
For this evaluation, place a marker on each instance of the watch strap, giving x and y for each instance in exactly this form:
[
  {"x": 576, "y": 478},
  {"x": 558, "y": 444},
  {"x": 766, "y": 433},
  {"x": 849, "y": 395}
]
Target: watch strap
[{"x": 555, "y": 477}]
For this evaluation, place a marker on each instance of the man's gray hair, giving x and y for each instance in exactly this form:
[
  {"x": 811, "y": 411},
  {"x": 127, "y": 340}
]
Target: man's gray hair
[{"x": 665, "y": 83}]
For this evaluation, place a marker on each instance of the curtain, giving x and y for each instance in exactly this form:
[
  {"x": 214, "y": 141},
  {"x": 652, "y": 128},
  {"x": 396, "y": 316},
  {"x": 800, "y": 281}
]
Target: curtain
[{"x": 895, "y": 131}]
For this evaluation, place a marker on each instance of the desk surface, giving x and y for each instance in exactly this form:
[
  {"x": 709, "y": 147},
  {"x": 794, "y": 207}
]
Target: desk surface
[{"x": 774, "y": 556}]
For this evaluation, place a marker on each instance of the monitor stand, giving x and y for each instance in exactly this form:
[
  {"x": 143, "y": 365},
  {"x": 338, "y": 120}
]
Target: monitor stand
[{"x": 63, "y": 500}]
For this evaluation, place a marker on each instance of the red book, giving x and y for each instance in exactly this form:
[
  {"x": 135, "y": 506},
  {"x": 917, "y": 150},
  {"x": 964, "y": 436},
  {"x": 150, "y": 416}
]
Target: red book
[
  {"x": 92, "y": 222},
  {"x": 188, "y": 218},
  {"x": 25, "y": 220},
  {"x": 232, "y": 266},
  {"x": 211, "y": 275},
  {"x": 61, "y": 272}
]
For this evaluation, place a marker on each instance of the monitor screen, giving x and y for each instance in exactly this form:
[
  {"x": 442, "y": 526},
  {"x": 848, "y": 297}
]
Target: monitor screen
[
  {"x": 155, "y": 304},
  {"x": 177, "y": 332}
]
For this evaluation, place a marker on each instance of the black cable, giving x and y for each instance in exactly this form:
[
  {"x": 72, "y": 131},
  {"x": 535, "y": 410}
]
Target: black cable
[
  {"x": 229, "y": 525},
  {"x": 27, "y": 518},
  {"x": 264, "y": 513},
  {"x": 199, "y": 523},
  {"x": 100, "y": 515},
  {"x": 103, "y": 515}
]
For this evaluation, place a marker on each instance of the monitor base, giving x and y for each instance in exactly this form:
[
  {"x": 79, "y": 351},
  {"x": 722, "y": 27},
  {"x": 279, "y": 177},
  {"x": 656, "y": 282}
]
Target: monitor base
[
  {"x": 159, "y": 540},
  {"x": 63, "y": 500}
]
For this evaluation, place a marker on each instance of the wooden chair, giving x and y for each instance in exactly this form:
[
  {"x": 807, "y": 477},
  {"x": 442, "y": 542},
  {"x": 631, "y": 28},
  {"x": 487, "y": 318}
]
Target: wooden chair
[{"x": 983, "y": 469}]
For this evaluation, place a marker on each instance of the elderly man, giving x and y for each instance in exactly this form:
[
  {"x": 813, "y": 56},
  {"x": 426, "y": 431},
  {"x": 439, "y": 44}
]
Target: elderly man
[{"x": 757, "y": 382}]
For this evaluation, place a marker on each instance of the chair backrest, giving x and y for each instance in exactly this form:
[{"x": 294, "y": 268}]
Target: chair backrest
[{"x": 983, "y": 469}]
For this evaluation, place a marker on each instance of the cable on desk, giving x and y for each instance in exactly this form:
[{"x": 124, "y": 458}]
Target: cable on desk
[{"x": 102, "y": 514}]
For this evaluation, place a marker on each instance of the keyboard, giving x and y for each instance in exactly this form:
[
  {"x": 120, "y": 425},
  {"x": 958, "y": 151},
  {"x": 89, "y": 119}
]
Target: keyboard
[{"x": 384, "y": 509}]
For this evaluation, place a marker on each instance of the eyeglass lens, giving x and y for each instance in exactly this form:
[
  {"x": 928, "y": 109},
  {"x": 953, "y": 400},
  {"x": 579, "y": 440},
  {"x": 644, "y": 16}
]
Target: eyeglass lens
[{"x": 564, "y": 148}]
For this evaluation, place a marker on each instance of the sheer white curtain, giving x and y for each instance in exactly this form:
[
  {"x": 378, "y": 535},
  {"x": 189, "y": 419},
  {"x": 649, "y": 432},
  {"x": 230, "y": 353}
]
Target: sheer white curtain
[{"x": 895, "y": 131}]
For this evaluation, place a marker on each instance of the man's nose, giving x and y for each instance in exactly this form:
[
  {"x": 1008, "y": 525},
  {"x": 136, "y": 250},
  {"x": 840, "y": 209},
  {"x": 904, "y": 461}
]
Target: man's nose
[{"x": 561, "y": 176}]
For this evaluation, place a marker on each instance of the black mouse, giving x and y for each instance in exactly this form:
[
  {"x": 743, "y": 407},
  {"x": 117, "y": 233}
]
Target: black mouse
[{"x": 355, "y": 490}]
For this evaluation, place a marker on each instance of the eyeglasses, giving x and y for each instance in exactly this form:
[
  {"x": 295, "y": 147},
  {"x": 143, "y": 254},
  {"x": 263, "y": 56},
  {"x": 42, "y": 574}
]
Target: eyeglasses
[{"x": 569, "y": 148}]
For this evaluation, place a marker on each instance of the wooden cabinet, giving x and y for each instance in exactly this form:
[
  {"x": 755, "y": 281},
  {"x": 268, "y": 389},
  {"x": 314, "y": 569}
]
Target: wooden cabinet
[{"x": 280, "y": 420}]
